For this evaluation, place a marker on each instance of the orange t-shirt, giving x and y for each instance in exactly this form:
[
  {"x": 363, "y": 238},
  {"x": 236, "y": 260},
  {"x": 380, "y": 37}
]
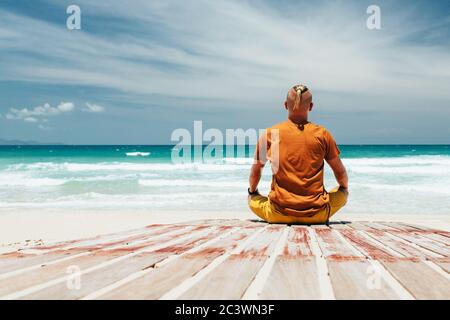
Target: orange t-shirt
[{"x": 297, "y": 157}]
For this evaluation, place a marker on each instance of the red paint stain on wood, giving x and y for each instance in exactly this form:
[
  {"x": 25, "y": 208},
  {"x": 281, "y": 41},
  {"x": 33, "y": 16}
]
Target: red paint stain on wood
[
  {"x": 334, "y": 246},
  {"x": 214, "y": 251},
  {"x": 371, "y": 250},
  {"x": 253, "y": 253},
  {"x": 298, "y": 243}
]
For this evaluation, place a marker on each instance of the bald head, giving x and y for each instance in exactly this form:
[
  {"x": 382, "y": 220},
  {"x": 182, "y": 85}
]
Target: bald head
[{"x": 296, "y": 101}]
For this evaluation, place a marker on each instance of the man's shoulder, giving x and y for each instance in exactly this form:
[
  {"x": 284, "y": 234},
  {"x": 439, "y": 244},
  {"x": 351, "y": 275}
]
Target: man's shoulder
[
  {"x": 322, "y": 132},
  {"x": 318, "y": 127}
]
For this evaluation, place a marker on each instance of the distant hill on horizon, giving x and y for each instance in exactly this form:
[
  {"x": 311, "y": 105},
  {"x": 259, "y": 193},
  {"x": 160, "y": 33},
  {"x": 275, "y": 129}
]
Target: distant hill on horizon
[{"x": 4, "y": 142}]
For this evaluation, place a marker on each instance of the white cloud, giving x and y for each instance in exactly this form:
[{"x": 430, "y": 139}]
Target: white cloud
[
  {"x": 30, "y": 119},
  {"x": 40, "y": 113},
  {"x": 65, "y": 106},
  {"x": 93, "y": 108}
]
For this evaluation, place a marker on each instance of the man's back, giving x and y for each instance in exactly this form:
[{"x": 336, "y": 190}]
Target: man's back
[{"x": 297, "y": 184}]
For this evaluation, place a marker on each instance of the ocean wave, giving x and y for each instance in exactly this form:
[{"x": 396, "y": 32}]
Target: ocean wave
[
  {"x": 194, "y": 183},
  {"x": 225, "y": 164},
  {"x": 9, "y": 179},
  {"x": 239, "y": 160},
  {"x": 232, "y": 173},
  {"x": 100, "y": 200},
  {"x": 14, "y": 180},
  {"x": 121, "y": 166},
  {"x": 137, "y": 154},
  {"x": 405, "y": 188},
  {"x": 423, "y": 160},
  {"x": 410, "y": 170}
]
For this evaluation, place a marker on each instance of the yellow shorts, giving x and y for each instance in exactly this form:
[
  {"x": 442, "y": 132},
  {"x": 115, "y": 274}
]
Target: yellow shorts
[{"x": 262, "y": 207}]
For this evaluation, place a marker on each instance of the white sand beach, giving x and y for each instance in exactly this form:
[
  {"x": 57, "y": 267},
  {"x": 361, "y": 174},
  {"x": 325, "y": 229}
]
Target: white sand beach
[{"x": 27, "y": 227}]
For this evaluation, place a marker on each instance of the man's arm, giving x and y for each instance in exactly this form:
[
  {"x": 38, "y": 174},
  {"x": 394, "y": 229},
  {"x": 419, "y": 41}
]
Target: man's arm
[
  {"x": 259, "y": 161},
  {"x": 339, "y": 172},
  {"x": 255, "y": 175}
]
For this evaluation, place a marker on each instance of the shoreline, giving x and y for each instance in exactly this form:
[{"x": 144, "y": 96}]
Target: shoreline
[{"x": 29, "y": 227}]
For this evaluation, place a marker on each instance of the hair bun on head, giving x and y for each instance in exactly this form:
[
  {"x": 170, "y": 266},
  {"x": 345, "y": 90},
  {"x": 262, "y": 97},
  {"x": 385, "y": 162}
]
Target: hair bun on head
[{"x": 299, "y": 89}]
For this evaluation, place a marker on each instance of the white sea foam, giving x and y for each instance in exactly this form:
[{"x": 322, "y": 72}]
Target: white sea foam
[
  {"x": 28, "y": 180},
  {"x": 406, "y": 188},
  {"x": 400, "y": 161},
  {"x": 239, "y": 160},
  {"x": 229, "y": 164},
  {"x": 137, "y": 154},
  {"x": 99, "y": 200},
  {"x": 412, "y": 170},
  {"x": 122, "y": 166},
  {"x": 11, "y": 180},
  {"x": 194, "y": 183}
]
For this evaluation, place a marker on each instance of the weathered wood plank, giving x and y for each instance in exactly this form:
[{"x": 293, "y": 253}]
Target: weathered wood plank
[
  {"x": 50, "y": 272},
  {"x": 437, "y": 237},
  {"x": 358, "y": 279},
  {"x": 369, "y": 248},
  {"x": 332, "y": 246},
  {"x": 419, "y": 279},
  {"x": 424, "y": 242},
  {"x": 226, "y": 222},
  {"x": 433, "y": 234},
  {"x": 298, "y": 243},
  {"x": 113, "y": 257},
  {"x": 72, "y": 256},
  {"x": 401, "y": 246},
  {"x": 131, "y": 242},
  {"x": 22, "y": 259},
  {"x": 232, "y": 277},
  {"x": 350, "y": 272},
  {"x": 18, "y": 260},
  {"x": 296, "y": 262},
  {"x": 413, "y": 227},
  {"x": 381, "y": 227},
  {"x": 293, "y": 279},
  {"x": 358, "y": 225},
  {"x": 443, "y": 263},
  {"x": 415, "y": 276},
  {"x": 98, "y": 279},
  {"x": 160, "y": 280},
  {"x": 227, "y": 281},
  {"x": 103, "y": 239}
]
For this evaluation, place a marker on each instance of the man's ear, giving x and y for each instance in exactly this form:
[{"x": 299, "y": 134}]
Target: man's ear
[
  {"x": 311, "y": 106},
  {"x": 285, "y": 105}
]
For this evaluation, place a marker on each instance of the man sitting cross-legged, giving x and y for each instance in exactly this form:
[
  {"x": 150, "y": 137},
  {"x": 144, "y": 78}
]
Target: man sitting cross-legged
[{"x": 297, "y": 150}]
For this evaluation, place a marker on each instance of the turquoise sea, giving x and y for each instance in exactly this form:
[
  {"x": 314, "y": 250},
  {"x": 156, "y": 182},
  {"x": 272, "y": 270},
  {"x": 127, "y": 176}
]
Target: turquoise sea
[{"x": 403, "y": 179}]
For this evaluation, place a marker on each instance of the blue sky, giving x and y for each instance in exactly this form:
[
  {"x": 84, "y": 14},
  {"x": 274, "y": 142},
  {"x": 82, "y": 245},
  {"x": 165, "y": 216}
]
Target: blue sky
[{"x": 139, "y": 69}]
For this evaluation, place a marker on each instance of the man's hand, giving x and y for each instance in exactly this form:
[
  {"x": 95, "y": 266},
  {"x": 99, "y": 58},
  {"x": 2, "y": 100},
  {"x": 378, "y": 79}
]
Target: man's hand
[{"x": 344, "y": 190}]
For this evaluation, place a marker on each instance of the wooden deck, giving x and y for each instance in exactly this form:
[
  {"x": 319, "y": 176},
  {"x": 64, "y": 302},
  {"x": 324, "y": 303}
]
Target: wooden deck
[{"x": 234, "y": 259}]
